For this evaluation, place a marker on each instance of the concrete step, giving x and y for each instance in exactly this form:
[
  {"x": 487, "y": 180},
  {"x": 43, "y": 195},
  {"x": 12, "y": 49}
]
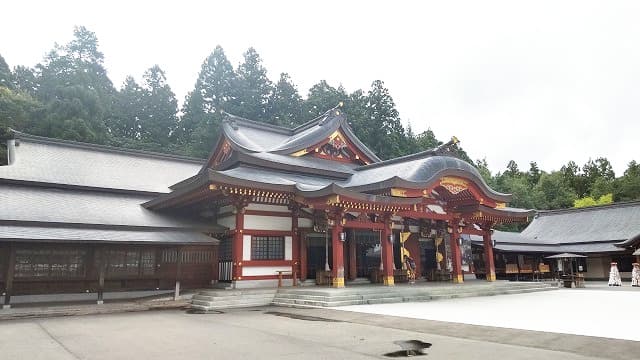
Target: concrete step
[
  {"x": 384, "y": 300},
  {"x": 318, "y": 297},
  {"x": 378, "y": 295},
  {"x": 237, "y": 292},
  {"x": 223, "y": 298},
  {"x": 227, "y": 306}
]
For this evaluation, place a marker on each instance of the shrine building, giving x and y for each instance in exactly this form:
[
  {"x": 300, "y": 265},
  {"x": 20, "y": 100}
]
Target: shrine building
[{"x": 312, "y": 202}]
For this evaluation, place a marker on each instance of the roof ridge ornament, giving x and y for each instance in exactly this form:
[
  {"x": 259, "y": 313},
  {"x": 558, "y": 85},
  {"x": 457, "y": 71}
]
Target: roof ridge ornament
[
  {"x": 334, "y": 111},
  {"x": 229, "y": 119},
  {"x": 449, "y": 148}
]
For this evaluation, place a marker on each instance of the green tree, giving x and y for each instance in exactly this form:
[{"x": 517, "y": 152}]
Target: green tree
[
  {"x": 158, "y": 117},
  {"x": 18, "y": 110},
  {"x": 593, "y": 170},
  {"x": 627, "y": 187},
  {"x": 78, "y": 95},
  {"x": 125, "y": 122},
  {"x": 6, "y": 77},
  {"x": 483, "y": 169},
  {"x": 285, "y": 105},
  {"x": 323, "y": 97},
  {"x": 590, "y": 201},
  {"x": 25, "y": 80},
  {"x": 533, "y": 176},
  {"x": 552, "y": 193},
  {"x": 254, "y": 89},
  {"x": 387, "y": 134},
  {"x": 426, "y": 140},
  {"x": 214, "y": 91},
  {"x": 512, "y": 169}
]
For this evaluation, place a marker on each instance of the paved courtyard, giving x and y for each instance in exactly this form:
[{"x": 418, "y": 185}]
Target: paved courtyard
[
  {"x": 281, "y": 333},
  {"x": 610, "y": 314}
]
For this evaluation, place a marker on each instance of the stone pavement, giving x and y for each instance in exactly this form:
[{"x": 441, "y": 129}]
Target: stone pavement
[
  {"x": 283, "y": 333},
  {"x": 73, "y": 309}
]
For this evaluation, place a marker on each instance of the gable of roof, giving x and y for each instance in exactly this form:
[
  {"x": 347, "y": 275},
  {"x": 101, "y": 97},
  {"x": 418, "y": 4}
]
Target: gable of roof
[
  {"x": 248, "y": 136},
  {"x": 69, "y": 163}
]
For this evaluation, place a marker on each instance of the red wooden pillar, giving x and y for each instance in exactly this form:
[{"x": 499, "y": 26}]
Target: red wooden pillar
[
  {"x": 353, "y": 268},
  {"x": 215, "y": 264},
  {"x": 387, "y": 253},
  {"x": 489, "y": 263},
  {"x": 303, "y": 257},
  {"x": 295, "y": 247},
  {"x": 337, "y": 272},
  {"x": 236, "y": 246},
  {"x": 456, "y": 257}
]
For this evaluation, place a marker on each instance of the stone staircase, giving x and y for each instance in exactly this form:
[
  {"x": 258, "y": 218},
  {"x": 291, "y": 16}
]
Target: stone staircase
[
  {"x": 217, "y": 299},
  {"x": 360, "y": 295}
]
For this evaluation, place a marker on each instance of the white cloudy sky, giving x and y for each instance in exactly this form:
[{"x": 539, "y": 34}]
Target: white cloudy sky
[{"x": 545, "y": 81}]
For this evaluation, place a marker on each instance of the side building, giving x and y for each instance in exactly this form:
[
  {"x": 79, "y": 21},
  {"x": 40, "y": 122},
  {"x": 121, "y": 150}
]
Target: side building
[
  {"x": 604, "y": 234},
  {"x": 71, "y": 221}
]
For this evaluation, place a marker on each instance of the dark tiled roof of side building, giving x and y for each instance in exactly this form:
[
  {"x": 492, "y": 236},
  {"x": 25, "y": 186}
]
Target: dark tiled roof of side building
[
  {"x": 606, "y": 228},
  {"x": 69, "y": 163},
  {"x": 39, "y": 206}
]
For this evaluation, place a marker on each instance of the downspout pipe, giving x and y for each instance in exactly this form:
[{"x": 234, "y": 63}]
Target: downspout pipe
[{"x": 11, "y": 151}]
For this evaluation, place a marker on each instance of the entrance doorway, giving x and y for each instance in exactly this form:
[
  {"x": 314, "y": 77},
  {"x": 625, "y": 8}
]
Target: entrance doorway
[
  {"x": 367, "y": 252},
  {"x": 316, "y": 253}
]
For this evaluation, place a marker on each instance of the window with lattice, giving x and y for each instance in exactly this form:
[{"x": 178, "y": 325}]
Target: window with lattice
[{"x": 267, "y": 248}]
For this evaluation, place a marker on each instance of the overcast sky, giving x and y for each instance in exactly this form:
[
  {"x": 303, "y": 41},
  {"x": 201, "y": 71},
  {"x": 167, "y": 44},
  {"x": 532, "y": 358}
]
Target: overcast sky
[{"x": 545, "y": 81}]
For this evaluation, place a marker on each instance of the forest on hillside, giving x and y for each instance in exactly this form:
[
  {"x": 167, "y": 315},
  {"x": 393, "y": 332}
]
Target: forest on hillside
[{"x": 69, "y": 95}]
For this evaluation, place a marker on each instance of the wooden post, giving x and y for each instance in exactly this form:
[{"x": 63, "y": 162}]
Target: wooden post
[
  {"x": 236, "y": 248},
  {"x": 489, "y": 263},
  {"x": 102, "y": 267},
  {"x": 337, "y": 273},
  {"x": 387, "y": 253},
  {"x": 456, "y": 258},
  {"x": 8, "y": 276},
  {"x": 303, "y": 257},
  {"x": 295, "y": 244},
  {"x": 176, "y": 294},
  {"x": 353, "y": 266}
]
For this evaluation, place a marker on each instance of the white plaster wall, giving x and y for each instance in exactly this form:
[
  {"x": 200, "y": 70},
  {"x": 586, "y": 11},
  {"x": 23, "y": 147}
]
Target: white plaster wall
[
  {"x": 288, "y": 248},
  {"x": 305, "y": 223},
  {"x": 265, "y": 207},
  {"x": 229, "y": 221},
  {"x": 263, "y": 270},
  {"x": 226, "y": 209},
  {"x": 269, "y": 283},
  {"x": 259, "y": 222},
  {"x": 436, "y": 209},
  {"x": 246, "y": 247}
]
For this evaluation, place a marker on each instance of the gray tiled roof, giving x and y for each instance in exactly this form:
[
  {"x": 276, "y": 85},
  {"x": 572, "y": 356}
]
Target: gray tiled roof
[
  {"x": 69, "y": 163},
  {"x": 607, "y": 228},
  {"x": 516, "y": 242},
  {"x": 253, "y": 136},
  {"x": 45, "y": 205},
  {"x": 93, "y": 235},
  {"x": 616, "y": 222}
]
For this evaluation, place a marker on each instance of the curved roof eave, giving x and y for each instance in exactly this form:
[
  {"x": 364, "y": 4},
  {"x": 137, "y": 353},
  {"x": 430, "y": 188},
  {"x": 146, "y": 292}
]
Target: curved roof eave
[
  {"x": 398, "y": 181},
  {"x": 310, "y": 136},
  {"x": 335, "y": 189},
  {"x": 629, "y": 242}
]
